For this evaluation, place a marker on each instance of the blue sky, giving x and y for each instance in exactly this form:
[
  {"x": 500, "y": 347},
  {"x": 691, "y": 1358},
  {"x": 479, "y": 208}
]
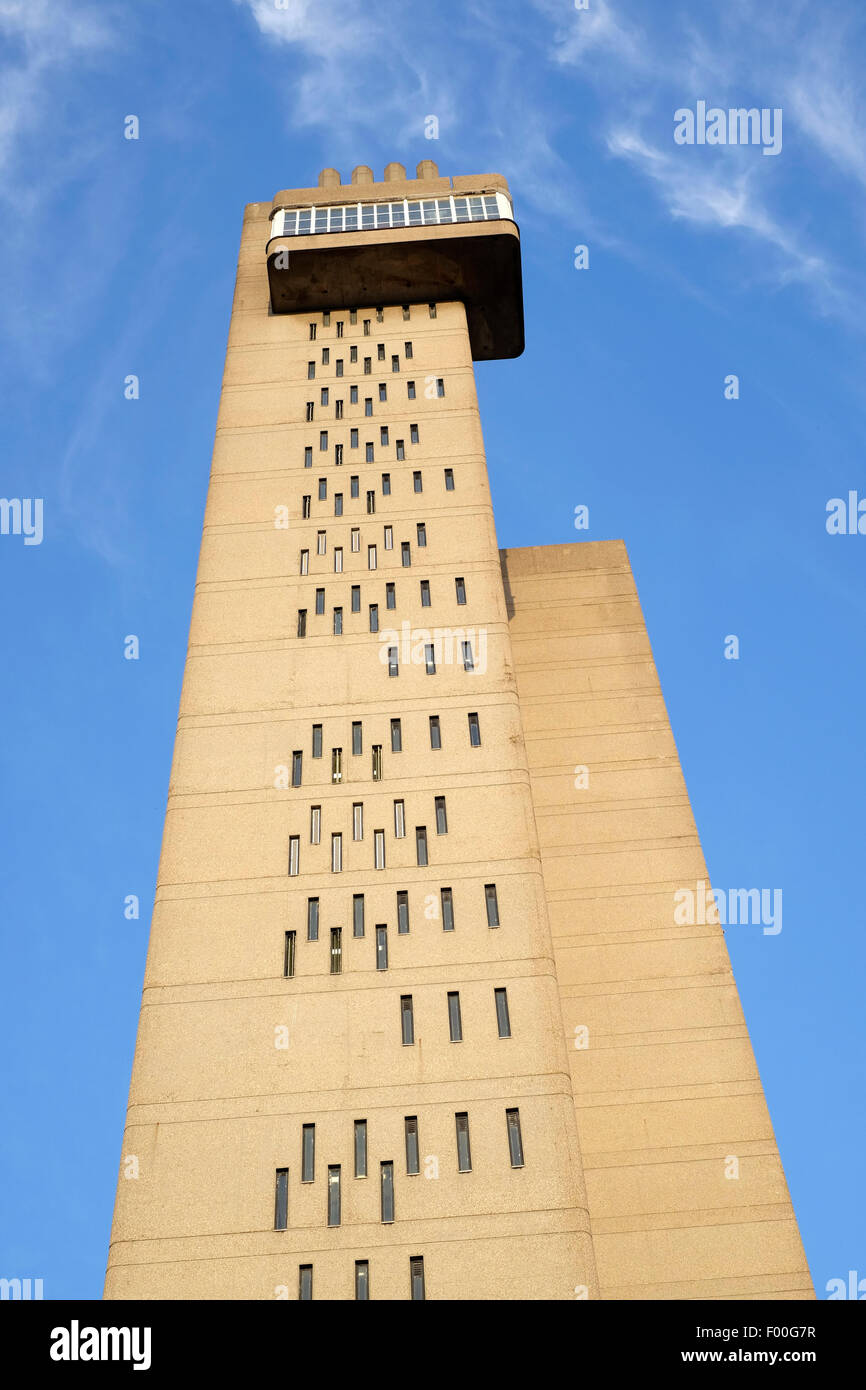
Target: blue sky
[{"x": 704, "y": 261}]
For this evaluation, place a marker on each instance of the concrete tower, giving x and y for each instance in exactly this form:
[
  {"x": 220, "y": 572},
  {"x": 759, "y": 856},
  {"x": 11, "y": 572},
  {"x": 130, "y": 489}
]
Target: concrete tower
[{"x": 400, "y": 969}]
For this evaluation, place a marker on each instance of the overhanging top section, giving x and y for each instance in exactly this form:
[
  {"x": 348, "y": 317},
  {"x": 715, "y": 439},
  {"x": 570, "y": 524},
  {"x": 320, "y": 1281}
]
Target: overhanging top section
[{"x": 403, "y": 241}]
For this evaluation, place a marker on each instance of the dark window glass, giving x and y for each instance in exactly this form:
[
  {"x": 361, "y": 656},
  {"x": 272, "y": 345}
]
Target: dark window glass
[
  {"x": 390, "y": 596},
  {"x": 455, "y": 1022},
  {"x": 358, "y": 914},
  {"x": 387, "y": 1183},
  {"x": 334, "y": 1203},
  {"x": 305, "y": 1283},
  {"x": 449, "y": 479},
  {"x": 308, "y": 1153},
  {"x": 412, "y": 1154},
  {"x": 421, "y": 845},
  {"x": 515, "y": 1138},
  {"x": 503, "y": 1021},
  {"x": 460, "y": 586},
  {"x": 281, "y": 1200},
  {"x": 441, "y": 816},
  {"x": 407, "y": 1019},
  {"x": 447, "y": 909},
  {"x": 357, "y": 738},
  {"x": 435, "y": 732},
  {"x": 396, "y": 736},
  {"x": 317, "y": 740},
  {"x": 360, "y": 1148},
  {"x": 474, "y": 731},
  {"x": 416, "y": 1278},
  {"x": 374, "y": 617},
  {"x": 297, "y": 761},
  {"x": 464, "y": 1155},
  {"x": 492, "y": 903},
  {"x": 402, "y": 912},
  {"x": 362, "y": 1280},
  {"x": 381, "y": 948},
  {"x": 289, "y": 956}
]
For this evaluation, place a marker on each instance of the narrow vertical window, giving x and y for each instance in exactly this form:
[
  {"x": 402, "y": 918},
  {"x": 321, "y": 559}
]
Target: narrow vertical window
[
  {"x": 353, "y": 354},
  {"x": 317, "y": 740},
  {"x": 302, "y": 622},
  {"x": 417, "y": 481},
  {"x": 374, "y": 617},
  {"x": 366, "y": 328},
  {"x": 324, "y": 395},
  {"x": 338, "y": 448},
  {"x": 353, "y": 439},
  {"x": 338, "y": 415},
  {"x": 401, "y": 450},
  {"x": 464, "y": 1154},
  {"x": 492, "y": 903},
  {"x": 393, "y": 667},
  {"x": 421, "y": 530},
  {"x": 371, "y": 557},
  {"x": 405, "y": 554},
  {"x": 308, "y": 1153},
  {"x": 305, "y": 1283},
  {"x": 336, "y": 950},
  {"x": 354, "y": 483},
  {"x": 356, "y": 598},
  {"x": 358, "y": 820},
  {"x": 468, "y": 660},
  {"x": 377, "y": 762},
  {"x": 386, "y": 484},
  {"x": 416, "y": 1263},
  {"x": 435, "y": 732},
  {"x": 323, "y": 440},
  {"x": 425, "y": 593},
  {"x": 336, "y": 764},
  {"x": 405, "y": 311},
  {"x": 294, "y": 855},
  {"x": 414, "y": 436},
  {"x": 383, "y": 391},
  {"x": 338, "y": 504},
  {"x": 297, "y": 762},
  {"x": 429, "y": 659},
  {"x": 360, "y": 1148},
  {"x": 395, "y": 363},
  {"x": 410, "y": 390},
  {"x": 362, "y": 1270},
  {"x": 396, "y": 736},
  {"x": 460, "y": 586},
  {"x": 339, "y": 328},
  {"x": 320, "y": 600},
  {"x": 306, "y": 503},
  {"x": 407, "y": 349},
  {"x": 402, "y": 912},
  {"x": 339, "y": 366},
  {"x": 389, "y": 538},
  {"x": 421, "y": 845},
  {"x": 368, "y": 406},
  {"x": 390, "y": 596},
  {"x": 449, "y": 479},
  {"x": 356, "y": 539},
  {"x": 455, "y": 1022},
  {"x": 379, "y": 849},
  {"x": 399, "y": 819},
  {"x": 312, "y": 331},
  {"x": 281, "y": 1200},
  {"x": 305, "y": 562},
  {"x": 447, "y": 909},
  {"x": 383, "y": 435},
  {"x": 357, "y": 738},
  {"x": 358, "y": 914},
  {"x": 474, "y": 731},
  {"x": 387, "y": 1188},
  {"x": 334, "y": 1203},
  {"x": 432, "y": 309},
  {"x": 368, "y": 453},
  {"x": 380, "y": 352},
  {"x": 407, "y": 1020},
  {"x": 368, "y": 366},
  {"x": 338, "y": 559},
  {"x": 312, "y": 919},
  {"x": 503, "y": 1020},
  {"x": 440, "y": 386},
  {"x": 311, "y": 370},
  {"x": 336, "y": 855},
  {"x": 315, "y": 825},
  {"x": 321, "y": 542},
  {"x": 371, "y": 502},
  {"x": 441, "y": 816},
  {"x": 326, "y": 356},
  {"x": 381, "y": 948},
  {"x": 353, "y": 391},
  {"x": 338, "y": 622},
  {"x": 410, "y": 1126},
  {"x": 326, "y": 318},
  {"x": 289, "y": 955},
  {"x": 515, "y": 1138}
]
